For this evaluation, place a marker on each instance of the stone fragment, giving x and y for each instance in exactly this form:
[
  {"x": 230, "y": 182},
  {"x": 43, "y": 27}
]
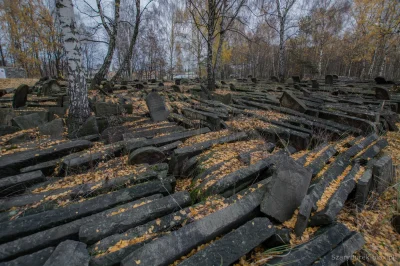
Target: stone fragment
[
  {"x": 288, "y": 100},
  {"x": 71, "y": 253},
  {"x": 35, "y": 259},
  {"x": 157, "y": 108},
  {"x": 149, "y": 155},
  {"x": 234, "y": 245},
  {"x": 28, "y": 121},
  {"x": 55, "y": 128},
  {"x": 287, "y": 189},
  {"x": 17, "y": 184},
  {"x": 382, "y": 173},
  {"x": 382, "y": 93}
]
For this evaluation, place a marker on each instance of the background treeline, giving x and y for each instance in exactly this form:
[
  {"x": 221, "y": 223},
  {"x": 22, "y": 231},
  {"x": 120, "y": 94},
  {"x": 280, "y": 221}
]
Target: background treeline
[{"x": 233, "y": 38}]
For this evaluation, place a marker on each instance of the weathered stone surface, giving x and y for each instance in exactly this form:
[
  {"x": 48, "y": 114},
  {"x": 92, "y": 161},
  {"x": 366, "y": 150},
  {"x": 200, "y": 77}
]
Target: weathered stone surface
[
  {"x": 167, "y": 249},
  {"x": 234, "y": 245},
  {"x": 211, "y": 118},
  {"x": 363, "y": 188},
  {"x": 151, "y": 132},
  {"x": 288, "y": 100},
  {"x": 382, "y": 93},
  {"x": 5, "y": 129},
  {"x": 55, "y": 235},
  {"x": 159, "y": 141},
  {"x": 36, "y": 222},
  {"x": 88, "y": 128},
  {"x": 315, "y": 84},
  {"x": 70, "y": 253},
  {"x": 27, "y": 121},
  {"x": 337, "y": 200},
  {"x": 328, "y": 80},
  {"x": 149, "y": 155},
  {"x": 344, "y": 251},
  {"x": 55, "y": 128},
  {"x": 17, "y": 184},
  {"x": 35, "y": 259},
  {"x": 321, "y": 244},
  {"x": 287, "y": 189},
  {"x": 103, "y": 109},
  {"x": 6, "y": 116},
  {"x": 233, "y": 182},
  {"x": 180, "y": 155},
  {"x": 10, "y": 164},
  {"x": 113, "y": 134},
  {"x": 382, "y": 173},
  {"x": 157, "y": 108},
  {"x": 90, "y": 233},
  {"x": 303, "y": 216},
  {"x": 20, "y": 96}
]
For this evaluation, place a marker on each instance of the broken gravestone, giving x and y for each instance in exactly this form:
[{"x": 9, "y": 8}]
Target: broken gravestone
[
  {"x": 176, "y": 88},
  {"x": 54, "y": 128},
  {"x": 286, "y": 190},
  {"x": 149, "y": 155},
  {"x": 28, "y": 121},
  {"x": 328, "y": 80},
  {"x": 296, "y": 79},
  {"x": 69, "y": 253},
  {"x": 274, "y": 79},
  {"x": 103, "y": 109},
  {"x": 380, "y": 80},
  {"x": 315, "y": 84},
  {"x": 49, "y": 87},
  {"x": 156, "y": 105},
  {"x": 288, "y": 100},
  {"x": 382, "y": 93},
  {"x": 20, "y": 96}
]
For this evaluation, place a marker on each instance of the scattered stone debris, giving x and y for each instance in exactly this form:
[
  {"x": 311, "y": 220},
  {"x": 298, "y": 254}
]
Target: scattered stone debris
[{"x": 172, "y": 174}]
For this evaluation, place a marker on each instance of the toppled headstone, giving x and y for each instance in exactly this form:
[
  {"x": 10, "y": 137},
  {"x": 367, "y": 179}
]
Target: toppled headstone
[
  {"x": 149, "y": 155},
  {"x": 72, "y": 253},
  {"x": 88, "y": 128},
  {"x": 363, "y": 188},
  {"x": 103, "y": 109},
  {"x": 28, "y": 121},
  {"x": 20, "y": 96},
  {"x": 35, "y": 259},
  {"x": 311, "y": 251},
  {"x": 157, "y": 108},
  {"x": 54, "y": 128},
  {"x": 286, "y": 190},
  {"x": 234, "y": 245},
  {"x": 288, "y": 100},
  {"x": 382, "y": 93},
  {"x": 380, "y": 80},
  {"x": 18, "y": 183},
  {"x": 49, "y": 87}
]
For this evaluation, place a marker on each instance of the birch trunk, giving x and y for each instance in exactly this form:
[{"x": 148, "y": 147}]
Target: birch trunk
[
  {"x": 79, "y": 105},
  {"x": 112, "y": 33},
  {"x": 128, "y": 56}
]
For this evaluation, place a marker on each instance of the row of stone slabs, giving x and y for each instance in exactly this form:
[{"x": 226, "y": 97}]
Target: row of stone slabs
[
  {"x": 164, "y": 249},
  {"x": 358, "y": 148}
]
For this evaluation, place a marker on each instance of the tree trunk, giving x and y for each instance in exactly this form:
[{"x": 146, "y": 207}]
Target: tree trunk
[
  {"x": 128, "y": 56},
  {"x": 103, "y": 71},
  {"x": 79, "y": 105},
  {"x": 281, "y": 62},
  {"x": 3, "y": 61},
  {"x": 210, "y": 44}
]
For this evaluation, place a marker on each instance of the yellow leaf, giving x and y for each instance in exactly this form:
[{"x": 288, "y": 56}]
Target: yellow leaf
[
  {"x": 137, "y": 261},
  {"x": 177, "y": 218}
]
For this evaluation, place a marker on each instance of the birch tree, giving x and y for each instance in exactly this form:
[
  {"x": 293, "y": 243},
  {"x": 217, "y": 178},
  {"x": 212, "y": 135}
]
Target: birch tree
[
  {"x": 207, "y": 17},
  {"x": 77, "y": 91}
]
